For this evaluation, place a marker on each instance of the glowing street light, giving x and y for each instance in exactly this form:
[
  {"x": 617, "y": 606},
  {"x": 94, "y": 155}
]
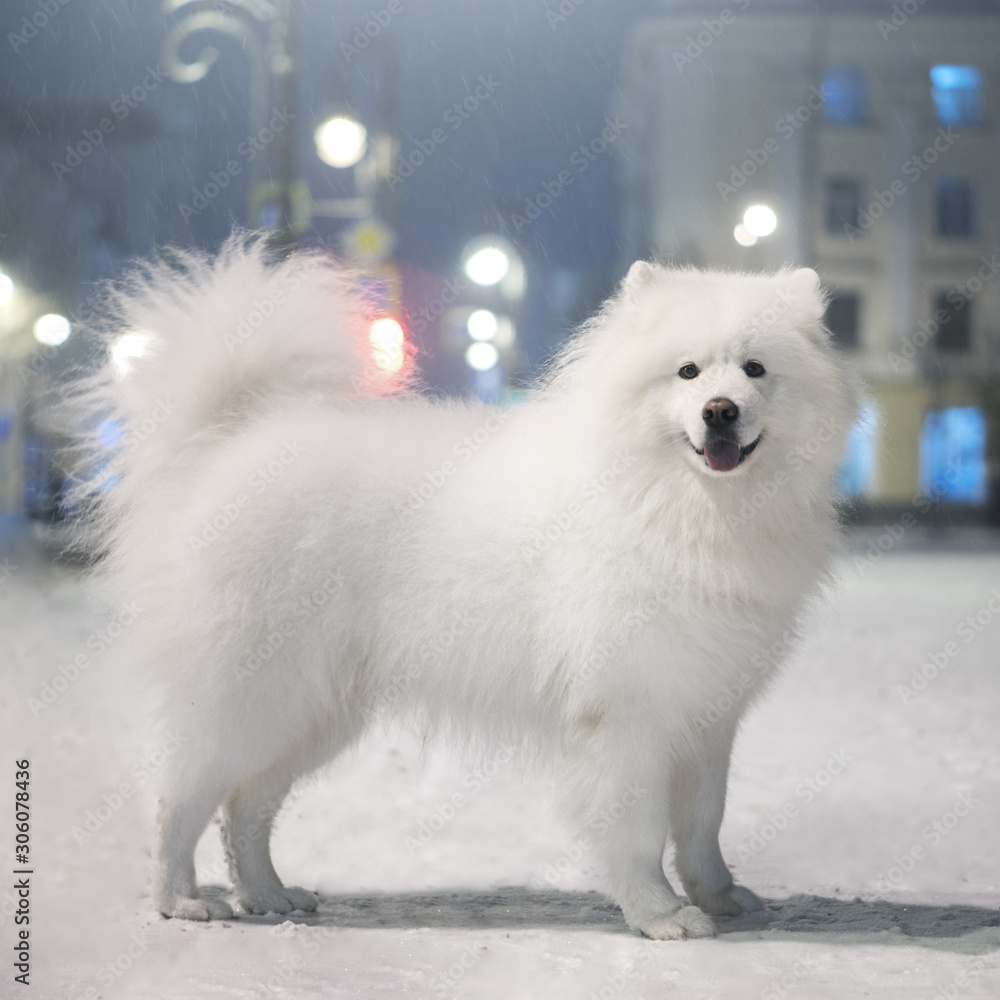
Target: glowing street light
[
  {"x": 760, "y": 220},
  {"x": 482, "y": 324},
  {"x": 481, "y": 356},
  {"x": 341, "y": 141},
  {"x": 6, "y": 288},
  {"x": 52, "y": 329},
  {"x": 487, "y": 266}
]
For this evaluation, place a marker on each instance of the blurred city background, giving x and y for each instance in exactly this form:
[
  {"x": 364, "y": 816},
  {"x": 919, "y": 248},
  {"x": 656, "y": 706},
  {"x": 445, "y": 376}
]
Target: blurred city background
[{"x": 493, "y": 168}]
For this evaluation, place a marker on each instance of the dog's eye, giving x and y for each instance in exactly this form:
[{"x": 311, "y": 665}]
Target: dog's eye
[
  {"x": 689, "y": 371},
  {"x": 754, "y": 369}
]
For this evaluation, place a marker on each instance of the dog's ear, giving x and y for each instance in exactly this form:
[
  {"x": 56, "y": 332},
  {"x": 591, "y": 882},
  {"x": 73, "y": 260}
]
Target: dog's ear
[
  {"x": 809, "y": 303},
  {"x": 639, "y": 274},
  {"x": 805, "y": 283}
]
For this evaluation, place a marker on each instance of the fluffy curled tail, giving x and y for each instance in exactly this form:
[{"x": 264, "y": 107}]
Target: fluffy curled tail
[{"x": 194, "y": 346}]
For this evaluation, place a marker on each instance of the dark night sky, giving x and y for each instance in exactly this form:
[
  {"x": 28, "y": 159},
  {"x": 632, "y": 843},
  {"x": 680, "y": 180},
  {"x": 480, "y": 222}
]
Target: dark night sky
[{"x": 556, "y": 83}]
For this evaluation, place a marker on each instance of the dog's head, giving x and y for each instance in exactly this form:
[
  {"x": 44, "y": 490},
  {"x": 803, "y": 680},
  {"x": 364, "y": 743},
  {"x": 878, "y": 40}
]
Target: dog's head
[{"x": 729, "y": 372}]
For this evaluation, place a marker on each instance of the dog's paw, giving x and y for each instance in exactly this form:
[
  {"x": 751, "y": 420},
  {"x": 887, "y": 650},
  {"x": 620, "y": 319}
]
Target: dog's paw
[
  {"x": 282, "y": 900},
  {"x": 687, "y": 922},
  {"x": 729, "y": 902},
  {"x": 185, "y": 908}
]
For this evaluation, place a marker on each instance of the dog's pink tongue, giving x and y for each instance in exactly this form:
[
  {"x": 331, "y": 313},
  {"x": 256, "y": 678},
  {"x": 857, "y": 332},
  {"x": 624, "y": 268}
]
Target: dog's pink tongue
[{"x": 722, "y": 455}]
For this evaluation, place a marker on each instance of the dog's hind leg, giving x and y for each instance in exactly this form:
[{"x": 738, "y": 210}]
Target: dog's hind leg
[
  {"x": 249, "y": 815},
  {"x": 186, "y": 805},
  {"x": 248, "y": 818}
]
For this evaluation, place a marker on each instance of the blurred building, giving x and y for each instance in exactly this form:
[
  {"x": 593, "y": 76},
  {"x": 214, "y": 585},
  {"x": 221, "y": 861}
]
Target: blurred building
[{"x": 871, "y": 133}]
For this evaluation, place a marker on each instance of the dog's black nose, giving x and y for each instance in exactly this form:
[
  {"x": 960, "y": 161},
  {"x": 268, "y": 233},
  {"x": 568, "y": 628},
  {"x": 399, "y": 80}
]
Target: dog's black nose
[{"x": 719, "y": 412}]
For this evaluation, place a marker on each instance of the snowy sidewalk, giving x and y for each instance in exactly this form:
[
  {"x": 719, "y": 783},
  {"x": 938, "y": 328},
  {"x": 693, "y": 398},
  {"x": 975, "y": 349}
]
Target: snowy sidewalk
[{"x": 863, "y": 806}]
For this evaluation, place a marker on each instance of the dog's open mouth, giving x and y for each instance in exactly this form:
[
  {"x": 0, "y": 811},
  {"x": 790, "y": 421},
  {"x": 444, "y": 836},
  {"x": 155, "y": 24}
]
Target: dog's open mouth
[{"x": 724, "y": 454}]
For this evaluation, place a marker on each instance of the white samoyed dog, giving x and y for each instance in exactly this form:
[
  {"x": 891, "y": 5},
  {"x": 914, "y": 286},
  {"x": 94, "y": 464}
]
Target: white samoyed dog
[{"x": 602, "y": 574}]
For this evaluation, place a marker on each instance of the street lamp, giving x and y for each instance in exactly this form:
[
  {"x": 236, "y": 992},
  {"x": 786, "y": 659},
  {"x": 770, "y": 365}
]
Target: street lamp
[
  {"x": 341, "y": 141},
  {"x": 481, "y": 356},
  {"x": 487, "y": 266},
  {"x": 760, "y": 220},
  {"x": 482, "y": 324},
  {"x": 52, "y": 329},
  {"x": 273, "y": 202}
]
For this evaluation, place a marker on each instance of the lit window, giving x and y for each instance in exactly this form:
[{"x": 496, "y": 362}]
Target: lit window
[
  {"x": 857, "y": 469},
  {"x": 953, "y": 455},
  {"x": 843, "y": 205},
  {"x": 846, "y": 94},
  {"x": 958, "y": 94},
  {"x": 953, "y": 214},
  {"x": 953, "y": 320},
  {"x": 842, "y": 318}
]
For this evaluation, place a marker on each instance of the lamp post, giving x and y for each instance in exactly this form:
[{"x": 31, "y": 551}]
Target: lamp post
[{"x": 274, "y": 191}]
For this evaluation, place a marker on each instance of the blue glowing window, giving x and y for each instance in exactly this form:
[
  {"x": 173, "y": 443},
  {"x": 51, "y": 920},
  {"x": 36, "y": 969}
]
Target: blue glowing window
[
  {"x": 857, "y": 468},
  {"x": 953, "y": 455},
  {"x": 958, "y": 94},
  {"x": 846, "y": 94}
]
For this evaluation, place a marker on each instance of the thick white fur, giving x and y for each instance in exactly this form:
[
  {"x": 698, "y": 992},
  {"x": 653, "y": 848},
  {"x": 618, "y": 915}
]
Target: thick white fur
[{"x": 576, "y": 578}]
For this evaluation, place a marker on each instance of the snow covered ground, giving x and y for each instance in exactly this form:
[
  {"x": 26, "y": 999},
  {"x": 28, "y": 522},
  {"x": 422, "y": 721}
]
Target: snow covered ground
[{"x": 866, "y": 814}]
